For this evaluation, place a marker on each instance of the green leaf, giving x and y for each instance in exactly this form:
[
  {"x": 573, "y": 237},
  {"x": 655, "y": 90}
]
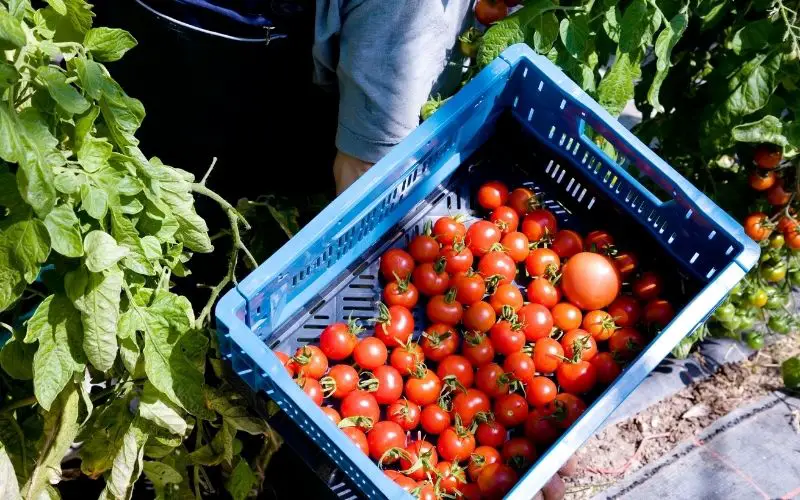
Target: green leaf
[
  {"x": 84, "y": 124},
  {"x": 11, "y": 147},
  {"x": 59, "y": 6},
  {"x": 102, "y": 251},
  {"x": 69, "y": 181},
  {"x": 9, "y": 487},
  {"x": 62, "y": 92},
  {"x": 767, "y": 129},
  {"x": 237, "y": 416},
  {"x": 545, "y": 34},
  {"x": 16, "y": 359},
  {"x": 108, "y": 44},
  {"x": 64, "y": 228},
  {"x": 575, "y": 36},
  {"x": 122, "y": 114},
  {"x": 635, "y": 33},
  {"x": 126, "y": 234},
  {"x": 99, "y": 307},
  {"x": 665, "y": 42},
  {"x": 91, "y": 76},
  {"x": 56, "y": 324},
  {"x": 616, "y": 88},
  {"x": 612, "y": 20},
  {"x": 94, "y": 154},
  {"x": 790, "y": 371},
  {"x": 12, "y": 283},
  {"x": 129, "y": 353},
  {"x": 8, "y": 75},
  {"x": 31, "y": 246},
  {"x": 156, "y": 408},
  {"x": 711, "y": 12},
  {"x": 127, "y": 465},
  {"x": 161, "y": 474},
  {"x": 11, "y": 34},
  {"x": 219, "y": 450},
  {"x": 102, "y": 436},
  {"x": 755, "y": 35},
  {"x": 513, "y": 29},
  {"x": 241, "y": 481},
  {"x": 152, "y": 247},
  {"x": 94, "y": 201}
]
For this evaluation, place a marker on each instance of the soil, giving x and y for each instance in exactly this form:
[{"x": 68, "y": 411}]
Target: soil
[{"x": 625, "y": 447}]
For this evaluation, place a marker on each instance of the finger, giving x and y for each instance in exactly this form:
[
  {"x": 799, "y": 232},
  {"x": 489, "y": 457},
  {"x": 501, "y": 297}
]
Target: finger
[
  {"x": 569, "y": 468},
  {"x": 555, "y": 489}
]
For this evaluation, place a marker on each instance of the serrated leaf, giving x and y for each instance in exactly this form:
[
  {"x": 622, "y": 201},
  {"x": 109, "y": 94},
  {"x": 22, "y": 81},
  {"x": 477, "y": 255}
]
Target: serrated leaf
[
  {"x": 127, "y": 466},
  {"x": 64, "y": 228},
  {"x": 12, "y": 283},
  {"x": 84, "y": 124},
  {"x": 108, "y": 44},
  {"x": 616, "y": 88},
  {"x": 56, "y": 324},
  {"x": 99, "y": 307},
  {"x": 665, "y": 42},
  {"x": 237, "y": 416},
  {"x": 156, "y": 408},
  {"x": 62, "y": 92},
  {"x": 94, "y": 201},
  {"x": 11, "y": 34},
  {"x": 16, "y": 359},
  {"x": 575, "y": 36},
  {"x": 513, "y": 29},
  {"x": 241, "y": 481},
  {"x": 102, "y": 251},
  {"x": 755, "y": 35},
  {"x": 129, "y": 353},
  {"x": 161, "y": 474},
  {"x": 612, "y": 20},
  {"x": 91, "y": 76},
  {"x": 94, "y": 154},
  {"x": 635, "y": 30},
  {"x": 768, "y": 129},
  {"x": 545, "y": 32},
  {"x": 9, "y": 487},
  {"x": 58, "y": 5},
  {"x": 152, "y": 247},
  {"x": 69, "y": 181},
  {"x": 31, "y": 246},
  {"x": 126, "y": 235},
  {"x": 122, "y": 114},
  {"x": 161, "y": 444}
]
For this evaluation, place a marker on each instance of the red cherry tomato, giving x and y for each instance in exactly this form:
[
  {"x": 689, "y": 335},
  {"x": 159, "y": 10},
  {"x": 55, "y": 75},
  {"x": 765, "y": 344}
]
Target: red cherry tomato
[
  {"x": 404, "y": 413},
  {"x": 477, "y": 349},
  {"x": 434, "y": 419},
  {"x": 448, "y": 229},
  {"x": 626, "y": 343},
  {"x": 396, "y": 264},
  {"x": 505, "y": 218},
  {"x": 470, "y": 287},
  {"x": 386, "y": 384},
  {"x": 567, "y": 243},
  {"x": 471, "y": 491},
  {"x": 496, "y": 480},
  {"x": 469, "y": 403},
  {"x": 358, "y": 437},
  {"x": 606, "y": 367},
  {"x": 309, "y": 361},
  {"x": 547, "y": 355},
  {"x": 492, "y": 380},
  {"x": 599, "y": 324},
  {"x": 516, "y": 245},
  {"x": 481, "y": 236},
  {"x": 286, "y": 361},
  {"x": 383, "y": 437},
  {"x": 498, "y": 265},
  {"x": 439, "y": 341},
  {"x": 458, "y": 367},
  {"x": 400, "y": 293},
  {"x": 624, "y": 310},
  {"x": 420, "y": 459},
  {"x": 424, "y": 248},
  {"x": 406, "y": 357},
  {"x": 579, "y": 344},
  {"x": 312, "y": 389},
  {"x": 483, "y": 456},
  {"x": 479, "y": 317},
  {"x": 522, "y": 200},
  {"x": 597, "y": 241},
  {"x": 658, "y": 312},
  {"x": 777, "y": 195},
  {"x": 539, "y": 223},
  {"x": 451, "y": 477},
  {"x": 519, "y": 452},
  {"x": 332, "y": 414},
  {"x": 576, "y": 377},
  {"x": 455, "y": 445},
  {"x": 541, "y": 291},
  {"x": 361, "y": 404},
  {"x": 340, "y": 381},
  {"x": 537, "y": 321},
  {"x": 511, "y": 410},
  {"x": 338, "y": 340},
  {"x": 566, "y": 316},
  {"x": 445, "y": 309},
  {"x": 394, "y": 326},
  {"x": 423, "y": 387},
  {"x": 370, "y": 353},
  {"x": 648, "y": 286},
  {"x": 541, "y": 427},
  {"x": 491, "y": 433},
  {"x": 540, "y": 391},
  {"x": 521, "y": 366},
  {"x": 402, "y": 480},
  {"x": 506, "y": 295},
  {"x": 565, "y": 409},
  {"x": 492, "y": 194},
  {"x": 457, "y": 257},
  {"x": 626, "y": 263},
  {"x": 507, "y": 337},
  {"x": 430, "y": 278},
  {"x": 590, "y": 281},
  {"x": 542, "y": 262},
  {"x": 767, "y": 156}
]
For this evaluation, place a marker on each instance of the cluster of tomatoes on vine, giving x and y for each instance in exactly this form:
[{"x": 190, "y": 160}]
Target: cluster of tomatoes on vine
[
  {"x": 766, "y": 177},
  {"x": 499, "y": 371}
]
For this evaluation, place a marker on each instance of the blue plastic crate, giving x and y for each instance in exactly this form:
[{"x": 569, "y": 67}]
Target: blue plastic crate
[{"x": 328, "y": 271}]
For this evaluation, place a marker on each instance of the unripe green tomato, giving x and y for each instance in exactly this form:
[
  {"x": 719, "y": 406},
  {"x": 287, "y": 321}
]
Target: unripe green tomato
[
  {"x": 778, "y": 324},
  {"x": 774, "y": 272},
  {"x": 758, "y": 297},
  {"x": 754, "y": 340},
  {"x": 725, "y": 312},
  {"x": 776, "y": 301},
  {"x": 794, "y": 278},
  {"x": 777, "y": 241},
  {"x": 746, "y": 322}
]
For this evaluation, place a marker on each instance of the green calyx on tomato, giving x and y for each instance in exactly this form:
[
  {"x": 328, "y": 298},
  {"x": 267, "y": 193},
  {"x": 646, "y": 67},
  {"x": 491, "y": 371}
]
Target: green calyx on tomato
[{"x": 468, "y": 42}]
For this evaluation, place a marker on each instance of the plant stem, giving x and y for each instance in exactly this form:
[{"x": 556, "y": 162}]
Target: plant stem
[{"x": 20, "y": 403}]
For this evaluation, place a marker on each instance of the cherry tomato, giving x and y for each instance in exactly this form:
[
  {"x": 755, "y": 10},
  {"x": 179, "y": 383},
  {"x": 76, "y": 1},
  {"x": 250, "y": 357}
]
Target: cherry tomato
[
  {"x": 599, "y": 324},
  {"x": 542, "y": 262},
  {"x": 430, "y": 278},
  {"x": 540, "y": 391},
  {"x": 566, "y": 316},
  {"x": 471, "y": 491},
  {"x": 470, "y": 287},
  {"x": 626, "y": 263},
  {"x": 400, "y": 293},
  {"x": 468, "y": 403},
  {"x": 481, "y": 236},
  {"x": 451, "y": 477},
  {"x": 537, "y": 321},
  {"x": 312, "y": 389},
  {"x": 522, "y": 200},
  {"x": 606, "y": 367},
  {"x": 483, "y": 456},
  {"x": 386, "y": 384},
  {"x": 521, "y": 366},
  {"x": 511, "y": 410},
  {"x": 455, "y": 445},
  {"x": 370, "y": 353},
  {"x": 338, "y": 340},
  {"x": 457, "y": 257},
  {"x": 658, "y": 312},
  {"x": 404, "y": 413},
  {"x": 423, "y": 248},
  {"x": 505, "y": 218},
  {"x": 507, "y": 337},
  {"x": 439, "y": 341},
  {"x": 498, "y": 265},
  {"x": 459, "y": 367},
  {"x": 448, "y": 229},
  {"x": 547, "y": 355},
  {"x": 492, "y": 194},
  {"x": 576, "y": 377},
  {"x": 420, "y": 459},
  {"x": 434, "y": 419},
  {"x": 757, "y": 226},
  {"x": 542, "y": 291},
  {"x": 566, "y": 409},
  {"x": 358, "y": 437},
  {"x": 423, "y": 387},
  {"x": 309, "y": 361},
  {"x": 777, "y": 196},
  {"x": 477, "y": 349},
  {"x": 402, "y": 480},
  {"x": 792, "y": 236},
  {"x": 761, "y": 180},
  {"x": 406, "y": 357},
  {"x": 383, "y": 437},
  {"x": 590, "y": 281},
  {"x": 767, "y": 156},
  {"x": 491, "y": 433},
  {"x": 580, "y": 344},
  {"x": 496, "y": 480},
  {"x": 340, "y": 381},
  {"x": 479, "y": 317},
  {"x": 394, "y": 326},
  {"x": 425, "y": 490},
  {"x": 625, "y": 311},
  {"x": 648, "y": 286},
  {"x": 567, "y": 243},
  {"x": 519, "y": 453},
  {"x": 516, "y": 245},
  {"x": 332, "y": 414},
  {"x": 286, "y": 361},
  {"x": 396, "y": 264},
  {"x": 444, "y": 309},
  {"x": 506, "y": 295},
  {"x": 540, "y": 427},
  {"x": 626, "y": 343},
  {"x": 538, "y": 223},
  {"x": 493, "y": 381},
  {"x": 597, "y": 241},
  {"x": 361, "y": 404}
]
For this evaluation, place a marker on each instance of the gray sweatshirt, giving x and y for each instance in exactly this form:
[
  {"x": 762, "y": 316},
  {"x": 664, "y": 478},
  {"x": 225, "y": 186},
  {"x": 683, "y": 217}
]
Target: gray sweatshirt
[{"x": 388, "y": 57}]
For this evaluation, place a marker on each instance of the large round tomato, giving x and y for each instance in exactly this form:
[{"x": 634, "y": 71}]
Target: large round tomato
[
  {"x": 491, "y": 433},
  {"x": 648, "y": 286},
  {"x": 470, "y": 287},
  {"x": 597, "y": 241},
  {"x": 519, "y": 452},
  {"x": 658, "y": 312},
  {"x": 505, "y": 218},
  {"x": 540, "y": 427},
  {"x": 547, "y": 355},
  {"x": 396, "y": 264},
  {"x": 624, "y": 310},
  {"x": 455, "y": 445},
  {"x": 434, "y": 419},
  {"x": 566, "y": 409},
  {"x": 757, "y": 226},
  {"x": 567, "y": 243},
  {"x": 423, "y": 387},
  {"x": 387, "y": 384},
  {"x": 400, "y": 293},
  {"x": 358, "y": 437},
  {"x": 521, "y": 366},
  {"x": 507, "y": 337},
  {"x": 579, "y": 344},
  {"x": 446, "y": 230},
  {"x": 430, "y": 278},
  {"x": 483, "y": 456},
  {"x": 340, "y": 381},
  {"x": 566, "y": 316},
  {"x": 406, "y": 357},
  {"x": 511, "y": 410},
  {"x": 383, "y": 437},
  {"x": 537, "y": 321},
  {"x": 468, "y": 403},
  {"x": 606, "y": 367},
  {"x": 507, "y": 295},
  {"x": 404, "y": 413},
  {"x": 458, "y": 258},
  {"x": 419, "y": 460},
  {"x": 444, "y": 309},
  {"x": 516, "y": 246},
  {"x": 439, "y": 341},
  {"x": 542, "y": 291},
  {"x": 576, "y": 377},
  {"x": 312, "y": 388},
  {"x": 492, "y": 380},
  {"x": 361, "y": 404},
  {"x": 492, "y": 194},
  {"x": 496, "y": 480},
  {"x": 309, "y": 361},
  {"x": 458, "y": 367},
  {"x": 522, "y": 200},
  {"x": 338, "y": 340},
  {"x": 394, "y": 326},
  {"x": 599, "y": 324},
  {"x": 540, "y": 391},
  {"x": 477, "y": 349},
  {"x": 479, "y": 317},
  {"x": 481, "y": 236},
  {"x": 424, "y": 248},
  {"x": 626, "y": 343},
  {"x": 498, "y": 265},
  {"x": 541, "y": 262},
  {"x": 539, "y": 223},
  {"x": 370, "y": 353},
  {"x": 590, "y": 281}
]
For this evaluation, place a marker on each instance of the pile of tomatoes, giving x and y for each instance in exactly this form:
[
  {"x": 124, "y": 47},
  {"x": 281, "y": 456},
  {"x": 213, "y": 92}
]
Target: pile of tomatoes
[{"x": 499, "y": 371}]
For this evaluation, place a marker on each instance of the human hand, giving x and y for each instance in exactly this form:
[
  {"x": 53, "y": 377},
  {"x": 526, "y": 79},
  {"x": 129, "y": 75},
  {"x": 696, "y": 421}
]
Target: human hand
[
  {"x": 555, "y": 489},
  {"x": 347, "y": 169}
]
